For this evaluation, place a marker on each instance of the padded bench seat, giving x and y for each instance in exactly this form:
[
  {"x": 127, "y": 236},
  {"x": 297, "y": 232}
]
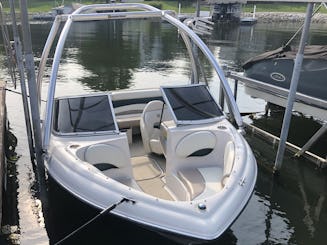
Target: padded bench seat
[
  {"x": 201, "y": 182},
  {"x": 128, "y": 121}
]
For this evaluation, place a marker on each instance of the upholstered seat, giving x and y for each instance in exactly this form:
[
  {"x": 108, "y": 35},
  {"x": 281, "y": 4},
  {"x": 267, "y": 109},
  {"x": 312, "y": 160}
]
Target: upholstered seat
[
  {"x": 110, "y": 159},
  {"x": 149, "y": 125},
  {"x": 201, "y": 182},
  {"x": 196, "y": 144}
]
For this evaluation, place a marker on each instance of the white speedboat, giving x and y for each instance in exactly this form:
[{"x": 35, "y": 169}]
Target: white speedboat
[{"x": 169, "y": 156}]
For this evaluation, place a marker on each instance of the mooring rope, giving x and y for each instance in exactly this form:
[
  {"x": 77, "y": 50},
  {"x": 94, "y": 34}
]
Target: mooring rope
[
  {"x": 108, "y": 209},
  {"x": 16, "y": 92}
]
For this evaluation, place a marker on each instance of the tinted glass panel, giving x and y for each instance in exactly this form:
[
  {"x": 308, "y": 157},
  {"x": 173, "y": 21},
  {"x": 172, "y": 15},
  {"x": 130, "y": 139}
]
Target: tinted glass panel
[
  {"x": 84, "y": 114},
  {"x": 192, "y": 103}
]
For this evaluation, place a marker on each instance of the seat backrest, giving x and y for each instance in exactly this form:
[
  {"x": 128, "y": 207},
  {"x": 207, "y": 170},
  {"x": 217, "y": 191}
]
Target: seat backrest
[
  {"x": 152, "y": 112},
  {"x": 196, "y": 144},
  {"x": 151, "y": 115},
  {"x": 110, "y": 159}
]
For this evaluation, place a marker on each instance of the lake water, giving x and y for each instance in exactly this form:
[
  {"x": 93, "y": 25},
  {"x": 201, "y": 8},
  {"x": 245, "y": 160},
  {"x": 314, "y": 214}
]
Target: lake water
[{"x": 286, "y": 209}]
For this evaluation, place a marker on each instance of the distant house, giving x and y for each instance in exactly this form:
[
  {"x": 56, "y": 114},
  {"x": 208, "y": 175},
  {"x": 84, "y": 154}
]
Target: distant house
[{"x": 226, "y": 10}]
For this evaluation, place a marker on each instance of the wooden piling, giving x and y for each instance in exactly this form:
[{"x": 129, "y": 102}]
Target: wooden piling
[{"x": 2, "y": 134}]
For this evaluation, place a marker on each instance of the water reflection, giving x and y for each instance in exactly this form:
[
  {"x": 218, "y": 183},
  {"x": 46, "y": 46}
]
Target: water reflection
[
  {"x": 295, "y": 197},
  {"x": 262, "y": 223},
  {"x": 116, "y": 52}
]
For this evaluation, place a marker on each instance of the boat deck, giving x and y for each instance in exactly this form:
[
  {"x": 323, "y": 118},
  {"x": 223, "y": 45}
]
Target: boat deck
[{"x": 149, "y": 170}]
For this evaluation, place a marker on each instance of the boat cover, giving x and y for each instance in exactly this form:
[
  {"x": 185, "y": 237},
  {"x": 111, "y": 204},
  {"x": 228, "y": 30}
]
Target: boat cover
[{"x": 289, "y": 52}]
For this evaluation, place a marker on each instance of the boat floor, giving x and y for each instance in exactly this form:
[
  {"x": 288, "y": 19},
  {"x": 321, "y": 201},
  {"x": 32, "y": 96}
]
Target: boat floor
[{"x": 149, "y": 170}]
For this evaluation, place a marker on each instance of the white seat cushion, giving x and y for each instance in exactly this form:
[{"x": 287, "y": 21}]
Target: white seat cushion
[
  {"x": 201, "y": 182},
  {"x": 195, "y": 142},
  {"x": 150, "y": 135},
  {"x": 102, "y": 153},
  {"x": 110, "y": 160},
  {"x": 212, "y": 177}
]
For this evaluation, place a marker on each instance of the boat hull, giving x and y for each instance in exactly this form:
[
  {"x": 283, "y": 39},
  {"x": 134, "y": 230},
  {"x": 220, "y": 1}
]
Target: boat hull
[
  {"x": 278, "y": 72},
  {"x": 181, "y": 218}
]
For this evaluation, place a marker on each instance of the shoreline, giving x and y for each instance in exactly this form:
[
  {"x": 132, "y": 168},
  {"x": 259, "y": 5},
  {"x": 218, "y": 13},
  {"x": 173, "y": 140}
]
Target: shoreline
[
  {"x": 269, "y": 17},
  {"x": 262, "y": 17}
]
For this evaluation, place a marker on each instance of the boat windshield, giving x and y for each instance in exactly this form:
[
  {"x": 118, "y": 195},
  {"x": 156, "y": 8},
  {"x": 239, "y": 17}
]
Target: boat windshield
[
  {"x": 191, "y": 104},
  {"x": 84, "y": 114}
]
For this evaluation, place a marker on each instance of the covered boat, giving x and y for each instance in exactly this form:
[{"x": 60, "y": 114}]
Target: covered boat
[
  {"x": 168, "y": 158},
  {"x": 276, "y": 68}
]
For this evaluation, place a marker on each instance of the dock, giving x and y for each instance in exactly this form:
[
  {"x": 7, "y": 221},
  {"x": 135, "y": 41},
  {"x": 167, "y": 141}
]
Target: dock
[
  {"x": 277, "y": 95},
  {"x": 2, "y": 134},
  {"x": 274, "y": 140},
  {"x": 19, "y": 199}
]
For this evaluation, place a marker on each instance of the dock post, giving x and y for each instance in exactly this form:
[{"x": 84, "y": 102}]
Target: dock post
[
  {"x": 197, "y": 11},
  {"x": 254, "y": 9},
  {"x": 7, "y": 47},
  {"x": 36, "y": 122},
  {"x": 294, "y": 82},
  {"x": 312, "y": 140},
  {"x": 20, "y": 65},
  {"x": 235, "y": 88},
  {"x": 2, "y": 134}
]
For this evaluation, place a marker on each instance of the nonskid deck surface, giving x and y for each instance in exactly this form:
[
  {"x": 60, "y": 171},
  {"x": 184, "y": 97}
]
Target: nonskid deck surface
[
  {"x": 148, "y": 171},
  {"x": 149, "y": 177}
]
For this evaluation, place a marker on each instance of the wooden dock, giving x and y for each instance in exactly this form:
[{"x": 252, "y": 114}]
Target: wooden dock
[{"x": 2, "y": 134}]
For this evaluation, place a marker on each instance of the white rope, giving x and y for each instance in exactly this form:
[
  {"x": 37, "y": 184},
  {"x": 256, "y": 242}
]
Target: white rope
[{"x": 108, "y": 209}]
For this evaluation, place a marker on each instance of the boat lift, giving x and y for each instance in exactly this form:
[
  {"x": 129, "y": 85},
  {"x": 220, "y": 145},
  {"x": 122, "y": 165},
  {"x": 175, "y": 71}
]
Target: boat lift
[
  {"x": 301, "y": 99},
  {"x": 291, "y": 94},
  {"x": 200, "y": 26}
]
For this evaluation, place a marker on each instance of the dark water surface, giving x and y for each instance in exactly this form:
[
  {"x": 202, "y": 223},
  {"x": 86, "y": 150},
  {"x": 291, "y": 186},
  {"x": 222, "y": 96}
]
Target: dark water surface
[{"x": 286, "y": 209}]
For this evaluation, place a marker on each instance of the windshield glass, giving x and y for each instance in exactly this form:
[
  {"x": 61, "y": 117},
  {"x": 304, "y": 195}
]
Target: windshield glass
[
  {"x": 191, "y": 103},
  {"x": 83, "y": 114}
]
